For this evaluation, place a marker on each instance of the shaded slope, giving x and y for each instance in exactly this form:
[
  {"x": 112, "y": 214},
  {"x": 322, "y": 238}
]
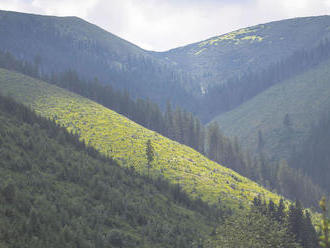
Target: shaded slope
[
  {"x": 114, "y": 135},
  {"x": 250, "y": 49},
  {"x": 283, "y": 114},
  {"x": 313, "y": 156}
]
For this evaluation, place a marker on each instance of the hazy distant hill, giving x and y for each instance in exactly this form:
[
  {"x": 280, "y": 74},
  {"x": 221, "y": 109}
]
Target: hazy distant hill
[
  {"x": 179, "y": 75},
  {"x": 250, "y": 49},
  {"x": 62, "y": 43}
]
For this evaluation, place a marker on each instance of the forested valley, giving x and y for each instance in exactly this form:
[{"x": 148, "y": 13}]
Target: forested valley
[{"x": 112, "y": 145}]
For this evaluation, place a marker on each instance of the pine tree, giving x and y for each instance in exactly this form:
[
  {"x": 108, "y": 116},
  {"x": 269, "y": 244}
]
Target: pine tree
[
  {"x": 261, "y": 142},
  {"x": 150, "y": 153},
  {"x": 287, "y": 121},
  {"x": 280, "y": 214}
]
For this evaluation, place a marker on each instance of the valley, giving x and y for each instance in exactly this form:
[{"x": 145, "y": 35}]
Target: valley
[{"x": 218, "y": 143}]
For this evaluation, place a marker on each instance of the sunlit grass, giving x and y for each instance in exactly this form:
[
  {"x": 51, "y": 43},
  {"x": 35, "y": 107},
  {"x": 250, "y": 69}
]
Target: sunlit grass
[{"x": 114, "y": 135}]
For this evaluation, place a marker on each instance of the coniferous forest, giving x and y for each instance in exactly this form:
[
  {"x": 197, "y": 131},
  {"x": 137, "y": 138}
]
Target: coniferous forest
[
  {"x": 184, "y": 127},
  {"x": 160, "y": 170}
]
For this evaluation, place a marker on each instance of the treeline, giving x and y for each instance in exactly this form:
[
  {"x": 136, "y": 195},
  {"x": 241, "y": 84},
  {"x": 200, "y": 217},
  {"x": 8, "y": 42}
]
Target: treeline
[
  {"x": 175, "y": 123},
  {"x": 314, "y": 156},
  {"x": 57, "y": 192},
  {"x": 275, "y": 176},
  {"x": 227, "y": 96},
  {"x": 181, "y": 126},
  {"x": 296, "y": 219},
  {"x": 273, "y": 218}
]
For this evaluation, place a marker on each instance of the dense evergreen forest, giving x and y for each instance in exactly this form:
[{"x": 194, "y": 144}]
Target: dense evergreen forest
[
  {"x": 185, "y": 128},
  {"x": 237, "y": 90},
  {"x": 314, "y": 156},
  {"x": 57, "y": 44},
  {"x": 57, "y": 192}
]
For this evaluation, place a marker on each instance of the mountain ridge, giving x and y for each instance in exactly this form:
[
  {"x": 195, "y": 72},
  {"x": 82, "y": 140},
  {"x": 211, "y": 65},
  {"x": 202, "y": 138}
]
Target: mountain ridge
[{"x": 253, "y": 47}]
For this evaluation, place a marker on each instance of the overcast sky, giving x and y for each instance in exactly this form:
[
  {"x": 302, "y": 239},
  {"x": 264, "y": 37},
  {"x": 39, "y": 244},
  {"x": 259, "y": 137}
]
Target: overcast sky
[{"x": 161, "y": 25}]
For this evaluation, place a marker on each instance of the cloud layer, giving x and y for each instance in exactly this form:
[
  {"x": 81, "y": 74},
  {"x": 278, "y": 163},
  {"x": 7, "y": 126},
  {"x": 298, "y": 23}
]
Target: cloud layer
[{"x": 161, "y": 25}]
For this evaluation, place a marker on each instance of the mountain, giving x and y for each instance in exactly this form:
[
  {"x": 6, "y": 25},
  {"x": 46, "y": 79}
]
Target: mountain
[
  {"x": 182, "y": 127},
  {"x": 57, "y": 44},
  {"x": 182, "y": 75},
  {"x": 278, "y": 121},
  {"x": 99, "y": 179},
  {"x": 252, "y": 49},
  {"x": 116, "y": 136},
  {"x": 56, "y": 192}
]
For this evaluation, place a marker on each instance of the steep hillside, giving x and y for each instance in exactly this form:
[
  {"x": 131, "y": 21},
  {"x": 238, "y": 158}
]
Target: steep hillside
[
  {"x": 115, "y": 135},
  {"x": 57, "y": 44},
  {"x": 56, "y": 193},
  {"x": 180, "y": 75},
  {"x": 279, "y": 119},
  {"x": 250, "y": 49}
]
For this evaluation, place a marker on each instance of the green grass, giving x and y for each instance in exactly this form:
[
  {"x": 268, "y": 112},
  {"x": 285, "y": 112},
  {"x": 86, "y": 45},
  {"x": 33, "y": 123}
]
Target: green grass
[
  {"x": 236, "y": 37},
  {"x": 304, "y": 98},
  {"x": 80, "y": 199},
  {"x": 117, "y": 136}
]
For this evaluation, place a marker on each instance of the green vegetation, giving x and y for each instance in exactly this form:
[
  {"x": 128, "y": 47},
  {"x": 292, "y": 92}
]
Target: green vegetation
[
  {"x": 56, "y": 192},
  {"x": 183, "y": 127},
  {"x": 302, "y": 99},
  {"x": 281, "y": 228},
  {"x": 116, "y": 136},
  {"x": 325, "y": 225},
  {"x": 313, "y": 156},
  {"x": 150, "y": 153},
  {"x": 99, "y": 179},
  {"x": 235, "y": 36},
  {"x": 241, "y": 88},
  {"x": 245, "y": 226}
]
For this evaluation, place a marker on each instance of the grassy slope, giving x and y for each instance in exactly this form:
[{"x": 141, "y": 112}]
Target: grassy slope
[
  {"x": 304, "y": 97},
  {"x": 89, "y": 189},
  {"x": 123, "y": 139}
]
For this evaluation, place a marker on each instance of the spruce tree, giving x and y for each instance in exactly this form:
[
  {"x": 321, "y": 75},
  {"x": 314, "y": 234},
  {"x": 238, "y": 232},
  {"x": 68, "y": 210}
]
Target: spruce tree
[{"x": 150, "y": 153}]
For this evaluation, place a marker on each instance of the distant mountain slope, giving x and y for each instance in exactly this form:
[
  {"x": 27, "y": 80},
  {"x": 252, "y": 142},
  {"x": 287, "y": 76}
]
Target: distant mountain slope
[
  {"x": 180, "y": 75},
  {"x": 313, "y": 156},
  {"x": 62, "y": 42},
  {"x": 250, "y": 49},
  {"x": 115, "y": 135},
  {"x": 279, "y": 119},
  {"x": 57, "y": 44}
]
